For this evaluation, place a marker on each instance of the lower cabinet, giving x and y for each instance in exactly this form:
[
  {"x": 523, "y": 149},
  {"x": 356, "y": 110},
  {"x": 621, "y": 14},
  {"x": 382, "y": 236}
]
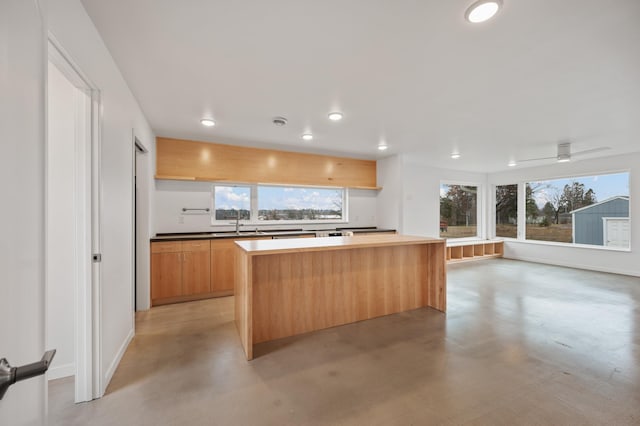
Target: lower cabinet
[
  {"x": 196, "y": 268},
  {"x": 223, "y": 261},
  {"x": 180, "y": 271},
  {"x": 192, "y": 269}
]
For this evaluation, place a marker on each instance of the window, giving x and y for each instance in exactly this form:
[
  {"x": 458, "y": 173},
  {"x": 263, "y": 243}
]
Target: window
[
  {"x": 266, "y": 203},
  {"x": 507, "y": 211},
  {"x": 458, "y": 211},
  {"x": 591, "y": 210},
  {"x": 296, "y": 203},
  {"x": 230, "y": 200}
]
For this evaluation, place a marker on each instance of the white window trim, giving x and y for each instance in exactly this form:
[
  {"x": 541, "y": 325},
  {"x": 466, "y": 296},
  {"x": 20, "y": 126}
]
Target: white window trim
[
  {"x": 254, "y": 211},
  {"x": 480, "y": 206},
  {"x": 522, "y": 238}
]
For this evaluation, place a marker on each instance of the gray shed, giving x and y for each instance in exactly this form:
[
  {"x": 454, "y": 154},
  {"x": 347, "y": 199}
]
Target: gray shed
[{"x": 605, "y": 223}]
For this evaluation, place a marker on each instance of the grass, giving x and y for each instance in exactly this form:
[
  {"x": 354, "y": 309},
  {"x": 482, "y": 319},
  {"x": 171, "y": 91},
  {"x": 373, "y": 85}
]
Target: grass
[
  {"x": 510, "y": 231},
  {"x": 557, "y": 233},
  {"x": 459, "y": 232}
]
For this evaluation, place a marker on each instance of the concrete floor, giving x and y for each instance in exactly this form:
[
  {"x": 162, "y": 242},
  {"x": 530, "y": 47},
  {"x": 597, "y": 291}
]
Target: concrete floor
[{"x": 521, "y": 343}]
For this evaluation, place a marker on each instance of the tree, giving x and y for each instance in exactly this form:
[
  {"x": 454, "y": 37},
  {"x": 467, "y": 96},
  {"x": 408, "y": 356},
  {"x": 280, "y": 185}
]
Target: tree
[
  {"x": 574, "y": 197},
  {"x": 556, "y": 198},
  {"x": 506, "y": 203},
  {"x": 549, "y": 211},
  {"x": 458, "y": 205},
  {"x": 531, "y": 207},
  {"x": 446, "y": 208}
]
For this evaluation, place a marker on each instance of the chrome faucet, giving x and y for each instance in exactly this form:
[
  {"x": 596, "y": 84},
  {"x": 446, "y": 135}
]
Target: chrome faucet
[{"x": 237, "y": 222}]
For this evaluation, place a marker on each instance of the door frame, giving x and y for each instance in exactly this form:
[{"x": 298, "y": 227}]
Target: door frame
[
  {"x": 138, "y": 148},
  {"x": 87, "y": 304}
]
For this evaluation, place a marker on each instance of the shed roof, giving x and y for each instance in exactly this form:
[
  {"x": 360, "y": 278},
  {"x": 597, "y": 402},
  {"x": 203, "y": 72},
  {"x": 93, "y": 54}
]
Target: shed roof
[{"x": 622, "y": 197}]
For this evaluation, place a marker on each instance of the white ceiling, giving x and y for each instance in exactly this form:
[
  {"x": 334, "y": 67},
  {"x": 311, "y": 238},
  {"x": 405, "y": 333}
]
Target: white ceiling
[{"x": 413, "y": 73}]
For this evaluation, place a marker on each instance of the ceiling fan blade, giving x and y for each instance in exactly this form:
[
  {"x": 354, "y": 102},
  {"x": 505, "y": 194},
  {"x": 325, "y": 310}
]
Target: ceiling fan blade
[
  {"x": 535, "y": 159},
  {"x": 590, "y": 151}
]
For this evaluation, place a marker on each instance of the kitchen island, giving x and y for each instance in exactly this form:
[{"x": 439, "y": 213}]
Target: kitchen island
[{"x": 289, "y": 287}]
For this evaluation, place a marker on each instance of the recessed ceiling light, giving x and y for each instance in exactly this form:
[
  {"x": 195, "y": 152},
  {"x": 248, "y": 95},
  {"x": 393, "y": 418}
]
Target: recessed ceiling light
[
  {"x": 208, "y": 122},
  {"x": 482, "y": 10},
  {"x": 307, "y": 136},
  {"x": 455, "y": 155},
  {"x": 512, "y": 164},
  {"x": 335, "y": 116},
  {"x": 383, "y": 147}
]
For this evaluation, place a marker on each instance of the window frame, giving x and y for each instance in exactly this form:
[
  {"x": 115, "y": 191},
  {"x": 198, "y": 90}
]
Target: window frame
[
  {"x": 480, "y": 209},
  {"x": 215, "y": 221},
  {"x": 254, "y": 210},
  {"x": 522, "y": 183}
]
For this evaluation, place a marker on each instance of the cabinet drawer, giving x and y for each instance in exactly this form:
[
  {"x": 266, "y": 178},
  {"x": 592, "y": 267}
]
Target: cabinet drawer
[
  {"x": 195, "y": 245},
  {"x": 166, "y": 247}
]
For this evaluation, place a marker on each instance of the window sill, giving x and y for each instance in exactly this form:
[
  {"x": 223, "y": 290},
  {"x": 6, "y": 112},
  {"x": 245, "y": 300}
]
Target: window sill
[
  {"x": 461, "y": 241},
  {"x": 567, "y": 245}
]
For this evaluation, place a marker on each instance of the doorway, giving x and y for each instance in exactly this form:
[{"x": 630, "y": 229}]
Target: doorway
[
  {"x": 616, "y": 232},
  {"x": 72, "y": 231}
]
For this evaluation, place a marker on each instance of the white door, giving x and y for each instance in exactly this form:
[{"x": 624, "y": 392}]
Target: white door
[
  {"x": 617, "y": 232},
  {"x": 22, "y": 214}
]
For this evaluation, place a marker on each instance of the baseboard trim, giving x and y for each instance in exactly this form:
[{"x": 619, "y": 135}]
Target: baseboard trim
[
  {"x": 116, "y": 361},
  {"x": 60, "y": 371},
  {"x": 574, "y": 265}
]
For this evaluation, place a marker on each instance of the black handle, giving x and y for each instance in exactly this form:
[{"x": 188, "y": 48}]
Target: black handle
[{"x": 10, "y": 375}]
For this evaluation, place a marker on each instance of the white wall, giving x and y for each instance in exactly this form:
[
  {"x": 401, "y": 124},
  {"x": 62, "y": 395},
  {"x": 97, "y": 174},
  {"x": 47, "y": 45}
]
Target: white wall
[
  {"x": 389, "y": 202},
  {"x": 22, "y": 165},
  {"x": 171, "y": 196},
  {"x": 586, "y": 258},
  {"x": 61, "y": 268},
  {"x": 120, "y": 118},
  {"x": 411, "y": 194},
  {"x": 421, "y": 204}
]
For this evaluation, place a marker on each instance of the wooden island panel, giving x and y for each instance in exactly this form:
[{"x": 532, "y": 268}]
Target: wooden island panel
[{"x": 302, "y": 287}]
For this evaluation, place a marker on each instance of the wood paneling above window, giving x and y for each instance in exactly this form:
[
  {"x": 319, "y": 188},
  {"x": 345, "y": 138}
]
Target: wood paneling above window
[{"x": 190, "y": 160}]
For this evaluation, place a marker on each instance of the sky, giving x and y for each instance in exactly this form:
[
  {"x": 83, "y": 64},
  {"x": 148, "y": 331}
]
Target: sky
[
  {"x": 278, "y": 197},
  {"x": 604, "y": 186},
  {"x": 233, "y": 197}
]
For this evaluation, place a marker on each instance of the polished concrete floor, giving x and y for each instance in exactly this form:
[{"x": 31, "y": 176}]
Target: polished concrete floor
[{"x": 521, "y": 343}]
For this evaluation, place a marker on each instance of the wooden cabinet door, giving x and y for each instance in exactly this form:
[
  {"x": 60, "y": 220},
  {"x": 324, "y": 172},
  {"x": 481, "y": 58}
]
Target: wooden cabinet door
[
  {"x": 196, "y": 267},
  {"x": 166, "y": 275},
  {"x": 223, "y": 265}
]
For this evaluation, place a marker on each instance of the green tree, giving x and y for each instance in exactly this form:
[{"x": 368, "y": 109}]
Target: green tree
[
  {"x": 458, "y": 205},
  {"x": 549, "y": 212},
  {"x": 446, "y": 208},
  {"x": 531, "y": 207},
  {"x": 574, "y": 197},
  {"x": 506, "y": 203}
]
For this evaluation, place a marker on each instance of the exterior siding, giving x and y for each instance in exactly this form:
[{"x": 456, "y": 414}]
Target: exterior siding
[{"x": 588, "y": 223}]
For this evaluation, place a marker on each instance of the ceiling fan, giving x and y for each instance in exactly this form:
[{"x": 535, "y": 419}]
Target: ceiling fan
[{"x": 564, "y": 153}]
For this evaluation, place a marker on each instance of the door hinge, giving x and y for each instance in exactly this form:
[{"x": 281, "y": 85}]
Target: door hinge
[{"x": 96, "y": 257}]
